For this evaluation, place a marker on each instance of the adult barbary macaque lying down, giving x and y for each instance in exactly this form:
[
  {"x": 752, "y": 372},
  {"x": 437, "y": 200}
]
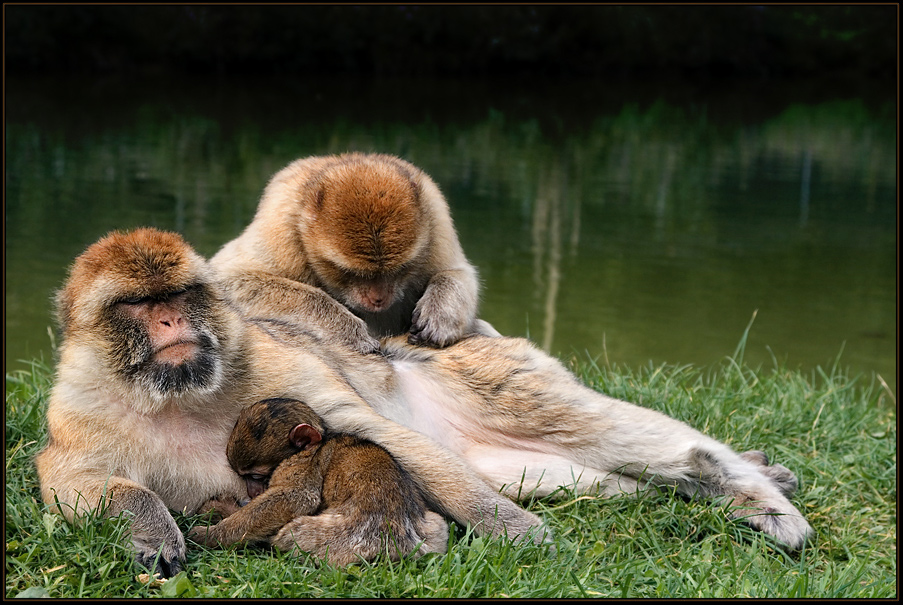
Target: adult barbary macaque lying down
[{"x": 155, "y": 368}]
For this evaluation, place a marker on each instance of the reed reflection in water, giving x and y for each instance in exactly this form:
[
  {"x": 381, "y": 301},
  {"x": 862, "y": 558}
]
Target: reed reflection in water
[{"x": 633, "y": 231}]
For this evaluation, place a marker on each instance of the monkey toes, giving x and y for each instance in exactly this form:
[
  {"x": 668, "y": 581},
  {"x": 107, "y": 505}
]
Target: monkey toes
[
  {"x": 779, "y": 520},
  {"x": 781, "y": 476}
]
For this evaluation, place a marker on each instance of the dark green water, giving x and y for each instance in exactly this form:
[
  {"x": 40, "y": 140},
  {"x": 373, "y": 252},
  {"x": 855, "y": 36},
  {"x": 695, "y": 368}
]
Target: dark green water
[{"x": 634, "y": 222}]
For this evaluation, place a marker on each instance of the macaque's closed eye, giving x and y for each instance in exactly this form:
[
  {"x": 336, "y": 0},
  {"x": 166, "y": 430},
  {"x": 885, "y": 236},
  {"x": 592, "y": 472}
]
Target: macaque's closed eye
[
  {"x": 138, "y": 299},
  {"x": 303, "y": 437},
  {"x": 135, "y": 300}
]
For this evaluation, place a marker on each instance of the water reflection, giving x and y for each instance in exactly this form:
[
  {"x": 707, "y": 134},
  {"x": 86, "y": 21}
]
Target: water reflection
[{"x": 644, "y": 230}]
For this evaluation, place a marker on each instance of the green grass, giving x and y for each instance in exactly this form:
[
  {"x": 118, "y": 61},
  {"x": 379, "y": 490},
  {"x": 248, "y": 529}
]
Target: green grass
[{"x": 836, "y": 432}]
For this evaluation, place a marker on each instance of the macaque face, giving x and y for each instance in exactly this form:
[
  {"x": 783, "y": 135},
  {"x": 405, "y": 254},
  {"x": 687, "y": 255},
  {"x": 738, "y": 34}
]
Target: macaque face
[
  {"x": 164, "y": 340},
  {"x": 257, "y": 482},
  {"x": 254, "y": 459},
  {"x": 141, "y": 301},
  {"x": 364, "y": 291}
]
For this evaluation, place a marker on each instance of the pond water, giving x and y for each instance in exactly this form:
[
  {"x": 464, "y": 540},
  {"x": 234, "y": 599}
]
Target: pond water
[{"x": 628, "y": 223}]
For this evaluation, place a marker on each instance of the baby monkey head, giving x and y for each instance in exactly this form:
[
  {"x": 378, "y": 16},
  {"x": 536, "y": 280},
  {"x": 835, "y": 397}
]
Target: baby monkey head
[{"x": 267, "y": 433}]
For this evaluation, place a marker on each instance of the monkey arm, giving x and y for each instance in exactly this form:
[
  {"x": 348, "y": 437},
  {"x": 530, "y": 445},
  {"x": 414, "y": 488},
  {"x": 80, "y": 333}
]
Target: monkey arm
[
  {"x": 263, "y": 294},
  {"x": 153, "y": 530},
  {"x": 448, "y": 308},
  {"x": 261, "y": 518}
]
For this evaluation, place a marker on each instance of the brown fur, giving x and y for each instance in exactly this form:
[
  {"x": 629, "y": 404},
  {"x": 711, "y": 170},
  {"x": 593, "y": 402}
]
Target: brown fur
[
  {"x": 356, "y": 246},
  {"x": 346, "y": 498},
  {"x": 482, "y": 415},
  {"x": 119, "y": 441}
]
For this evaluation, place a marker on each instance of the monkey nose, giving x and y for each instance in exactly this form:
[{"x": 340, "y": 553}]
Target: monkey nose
[{"x": 377, "y": 296}]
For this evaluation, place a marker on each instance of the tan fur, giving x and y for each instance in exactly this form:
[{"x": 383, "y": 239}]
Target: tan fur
[
  {"x": 349, "y": 496},
  {"x": 357, "y": 246},
  {"x": 484, "y": 412},
  {"x": 114, "y": 441}
]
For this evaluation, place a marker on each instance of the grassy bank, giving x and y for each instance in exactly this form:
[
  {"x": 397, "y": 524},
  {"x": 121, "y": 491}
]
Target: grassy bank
[{"x": 836, "y": 432}]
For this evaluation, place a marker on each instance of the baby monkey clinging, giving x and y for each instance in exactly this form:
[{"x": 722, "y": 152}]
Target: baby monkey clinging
[{"x": 335, "y": 496}]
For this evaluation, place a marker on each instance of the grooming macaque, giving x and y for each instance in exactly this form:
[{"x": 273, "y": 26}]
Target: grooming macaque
[
  {"x": 357, "y": 246},
  {"x": 346, "y": 498},
  {"x": 155, "y": 368}
]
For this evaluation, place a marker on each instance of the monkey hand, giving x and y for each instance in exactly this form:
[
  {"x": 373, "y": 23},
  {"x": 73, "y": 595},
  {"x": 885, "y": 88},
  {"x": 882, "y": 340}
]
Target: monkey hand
[
  {"x": 359, "y": 338},
  {"x": 203, "y": 535},
  {"x": 222, "y": 506},
  {"x": 435, "y": 325},
  {"x": 164, "y": 556},
  {"x": 157, "y": 540},
  {"x": 334, "y": 320}
]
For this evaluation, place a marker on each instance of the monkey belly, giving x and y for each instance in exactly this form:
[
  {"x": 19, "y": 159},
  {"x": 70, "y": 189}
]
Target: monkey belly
[{"x": 518, "y": 466}]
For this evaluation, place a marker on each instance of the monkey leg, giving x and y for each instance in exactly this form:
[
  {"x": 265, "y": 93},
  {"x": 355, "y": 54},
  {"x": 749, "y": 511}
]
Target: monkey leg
[
  {"x": 327, "y": 536},
  {"x": 658, "y": 451},
  {"x": 528, "y": 426},
  {"x": 343, "y": 538}
]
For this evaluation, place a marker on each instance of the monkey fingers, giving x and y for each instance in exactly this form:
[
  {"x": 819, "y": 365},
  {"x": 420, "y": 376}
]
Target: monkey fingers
[
  {"x": 434, "y": 321},
  {"x": 156, "y": 563},
  {"x": 782, "y": 477},
  {"x": 221, "y": 506},
  {"x": 203, "y": 535}
]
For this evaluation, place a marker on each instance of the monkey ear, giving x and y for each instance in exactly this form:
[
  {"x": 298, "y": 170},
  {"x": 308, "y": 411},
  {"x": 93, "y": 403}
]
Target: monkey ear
[{"x": 304, "y": 436}]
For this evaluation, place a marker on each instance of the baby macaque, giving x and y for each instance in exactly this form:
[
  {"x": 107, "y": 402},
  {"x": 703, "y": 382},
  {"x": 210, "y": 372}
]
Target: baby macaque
[
  {"x": 155, "y": 366},
  {"x": 357, "y": 246},
  {"x": 335, "y": 496}
]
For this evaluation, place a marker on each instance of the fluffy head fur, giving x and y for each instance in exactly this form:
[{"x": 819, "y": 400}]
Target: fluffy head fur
[
  {"x": 364, "y": 212},
  {"x": 138, "y": 264},
  {"x": 267, "y": 425}
]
